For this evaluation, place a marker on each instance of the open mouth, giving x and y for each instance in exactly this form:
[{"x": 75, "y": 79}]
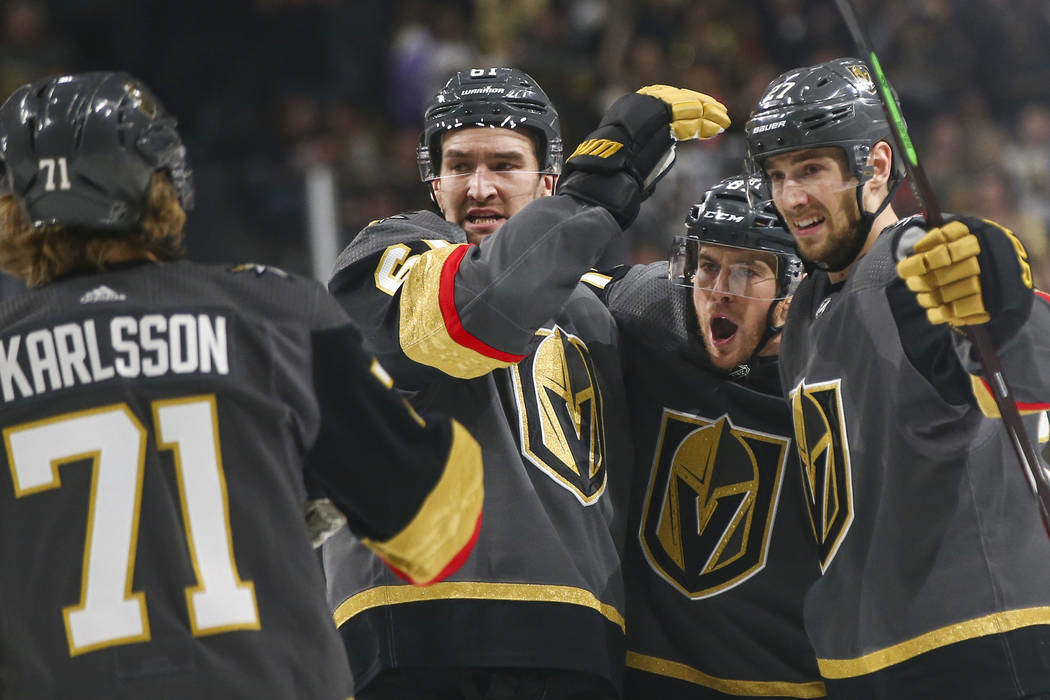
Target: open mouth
[
  {"x": 807, "y": 225},
  {"x": 486, "y": 220},
  {"x": 722, "y": 330}
]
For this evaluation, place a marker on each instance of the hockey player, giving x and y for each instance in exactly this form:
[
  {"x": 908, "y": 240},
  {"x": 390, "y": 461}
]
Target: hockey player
[
  {"x": 719, "y": 553},
  {"x": 502, "y": 335},
  {"x": 935, "y": 562},
  {"x": 160, "y": 419}
]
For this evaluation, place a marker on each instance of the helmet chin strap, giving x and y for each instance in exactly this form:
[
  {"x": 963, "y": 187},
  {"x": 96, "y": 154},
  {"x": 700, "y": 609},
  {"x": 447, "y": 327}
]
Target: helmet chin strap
[
  {"x": 740, "y": 372},
  {"x": 862, "y": 227}
]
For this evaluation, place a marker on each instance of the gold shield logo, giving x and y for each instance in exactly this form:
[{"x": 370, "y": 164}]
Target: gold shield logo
[
  {"x": 823, "y": 450},
  {"x": 562, "y": 421},
  {"x": 864, "y": 81},
  {"x": 711, "y": 502}
]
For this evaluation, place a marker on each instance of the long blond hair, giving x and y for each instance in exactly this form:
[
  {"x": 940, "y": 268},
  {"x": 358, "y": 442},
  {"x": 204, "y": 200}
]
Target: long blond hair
[{"x": 38, "y": 255}]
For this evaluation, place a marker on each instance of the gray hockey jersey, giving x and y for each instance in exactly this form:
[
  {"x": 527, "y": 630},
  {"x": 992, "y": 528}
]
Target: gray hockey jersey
[
  {"x": 935, "y": 560},
  {"x": 719, "y": 554},
  {"x": 162, "y": 424},
  {"x": 503, "y": 337}
]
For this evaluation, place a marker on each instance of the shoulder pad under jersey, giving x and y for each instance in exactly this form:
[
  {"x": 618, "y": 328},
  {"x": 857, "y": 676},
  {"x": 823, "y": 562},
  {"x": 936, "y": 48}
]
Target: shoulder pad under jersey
[{"x": 401, "y": 228}]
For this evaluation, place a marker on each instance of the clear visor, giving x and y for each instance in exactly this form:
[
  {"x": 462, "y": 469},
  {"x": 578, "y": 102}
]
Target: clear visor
[
  {"x": 785, "y": 181},
  {"x": 731, "y": 270},
  {"x": 481, "y": 199},
  {"x": 483, "y": 176}
]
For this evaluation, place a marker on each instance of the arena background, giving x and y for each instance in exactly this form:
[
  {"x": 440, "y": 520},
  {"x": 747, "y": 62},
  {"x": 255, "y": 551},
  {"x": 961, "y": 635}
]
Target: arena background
[{"x": 301, "y": 116}]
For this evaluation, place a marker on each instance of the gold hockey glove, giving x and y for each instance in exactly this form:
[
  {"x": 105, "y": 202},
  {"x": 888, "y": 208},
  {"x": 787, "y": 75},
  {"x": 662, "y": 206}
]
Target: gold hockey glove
[
  {"x": 694, "y": 115},
  {"x": 618, "y": 165},
  {"x": 969, "y": 272}
]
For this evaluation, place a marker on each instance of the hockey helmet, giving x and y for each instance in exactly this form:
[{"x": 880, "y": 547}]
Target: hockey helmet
[
  {"x": 727, "y": 217},
  {"x": 835, "y": 103},
  {"x": 80, "y": 150},
  {"x": 496, "y": 97}
]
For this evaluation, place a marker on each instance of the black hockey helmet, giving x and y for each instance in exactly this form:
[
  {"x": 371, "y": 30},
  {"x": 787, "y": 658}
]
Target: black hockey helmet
[
  {"x": 496, "y": 97},
  {"x": 79, "y": 150},
  {"x": 727, "y": 217},
  {"x": 830, "y": 104}
]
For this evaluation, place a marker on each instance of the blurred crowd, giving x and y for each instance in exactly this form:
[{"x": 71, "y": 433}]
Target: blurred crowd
[{"x": 267, "y": 89}]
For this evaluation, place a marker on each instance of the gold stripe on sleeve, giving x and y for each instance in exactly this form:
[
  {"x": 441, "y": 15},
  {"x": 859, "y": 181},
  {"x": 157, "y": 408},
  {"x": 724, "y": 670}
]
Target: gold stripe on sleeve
[
  {"x": 447, "y": 519},
  {"x": 425, "y": 337}
]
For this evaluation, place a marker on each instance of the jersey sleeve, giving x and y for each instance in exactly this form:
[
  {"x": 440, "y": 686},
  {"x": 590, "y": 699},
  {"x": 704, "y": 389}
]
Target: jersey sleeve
[
  {"x": 464, "y": 310},
  {"x": 410, "y": 485},
  {"x": 1025, "y": 359}
]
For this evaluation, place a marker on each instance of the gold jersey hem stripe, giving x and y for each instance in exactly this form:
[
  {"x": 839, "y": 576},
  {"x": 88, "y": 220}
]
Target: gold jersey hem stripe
[
  {"x": 758, "y": 689},
  {"x": 996, "y": 623},
  {"x": 447, "y": 519},
  {"x": 475, "y": 590}
]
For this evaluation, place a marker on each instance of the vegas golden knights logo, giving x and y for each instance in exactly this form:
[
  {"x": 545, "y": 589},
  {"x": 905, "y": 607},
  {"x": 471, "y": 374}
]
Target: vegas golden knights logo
[
  {"x": 562, "y": 419},
  {"x": 712, "y": 498},
  {"x": 823, "y": 450}
]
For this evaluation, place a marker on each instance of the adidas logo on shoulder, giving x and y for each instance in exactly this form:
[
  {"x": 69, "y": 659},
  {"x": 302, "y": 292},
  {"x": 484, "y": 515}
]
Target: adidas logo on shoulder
[{"x": 100, "y": 294}]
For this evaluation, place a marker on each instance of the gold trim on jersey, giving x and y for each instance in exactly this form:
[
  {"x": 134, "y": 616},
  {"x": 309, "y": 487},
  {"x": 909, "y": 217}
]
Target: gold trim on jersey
[
  {"x": 424, "y": 336},
  {"x": 986, "y": 402},
  {"x": 212, "y": 453},
  {"x": 711, "y": 502},
  {"x": 475, "y": 590},
  {"x": 996, "y": 623},
  {"x": 395, "y": 263},
  {"x": 447, "y": 519},
  {"x": 561, "y": 414},
  {"x": 823, "y": 450},
  {"x": 682, "y": 672},
  {"x": 596, "y": 279}
]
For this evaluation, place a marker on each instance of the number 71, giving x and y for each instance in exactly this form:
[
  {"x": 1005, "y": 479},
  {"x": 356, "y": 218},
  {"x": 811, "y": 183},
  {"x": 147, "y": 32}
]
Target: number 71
[{"x": 112, "y": 437}]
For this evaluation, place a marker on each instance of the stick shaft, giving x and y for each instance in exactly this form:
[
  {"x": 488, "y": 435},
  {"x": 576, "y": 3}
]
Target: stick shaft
[{"x": 1037, "y": 477}]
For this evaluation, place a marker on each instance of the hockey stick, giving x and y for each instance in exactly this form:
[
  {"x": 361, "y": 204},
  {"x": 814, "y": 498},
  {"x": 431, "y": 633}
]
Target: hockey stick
[{"x": 1038, "y": 479}]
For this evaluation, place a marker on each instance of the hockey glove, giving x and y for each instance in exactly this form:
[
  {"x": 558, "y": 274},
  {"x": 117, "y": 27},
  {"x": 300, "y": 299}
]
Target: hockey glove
[
  {"x": 969, "y": 272},
  {"x": 618, "y": 164}
]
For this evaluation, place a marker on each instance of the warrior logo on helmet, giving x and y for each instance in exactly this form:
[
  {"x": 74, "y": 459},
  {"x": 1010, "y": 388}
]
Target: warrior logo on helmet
[{"x": 496, "y": 97}]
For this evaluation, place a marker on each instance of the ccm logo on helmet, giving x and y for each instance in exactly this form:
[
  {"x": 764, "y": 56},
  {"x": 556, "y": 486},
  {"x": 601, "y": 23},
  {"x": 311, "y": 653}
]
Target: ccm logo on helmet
[
  {"x": 767, "y": 127},
  {"x": 723, "y": 216}
]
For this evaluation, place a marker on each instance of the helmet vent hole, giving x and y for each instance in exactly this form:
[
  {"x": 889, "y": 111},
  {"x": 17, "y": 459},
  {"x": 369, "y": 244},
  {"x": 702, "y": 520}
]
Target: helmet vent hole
[
  {"x": 827, "y": 117},
  {"x": 31, "y": 133},
  {"x": 439, "y": 111},
  {"x": 526, "y": 106}
]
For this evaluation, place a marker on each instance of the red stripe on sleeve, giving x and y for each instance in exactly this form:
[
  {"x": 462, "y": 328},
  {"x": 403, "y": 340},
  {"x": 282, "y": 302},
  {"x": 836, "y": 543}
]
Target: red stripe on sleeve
[
  {"x": 447, "y": 304},
  {"x": 1044, "y": 295},
  {"x": 453, "y": 564},
  {"x": 1021, "y": 405}
]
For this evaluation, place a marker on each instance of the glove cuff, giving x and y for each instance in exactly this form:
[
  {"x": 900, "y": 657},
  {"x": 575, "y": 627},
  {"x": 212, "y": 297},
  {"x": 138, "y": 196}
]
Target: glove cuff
[{"x": 616, "y": 192}]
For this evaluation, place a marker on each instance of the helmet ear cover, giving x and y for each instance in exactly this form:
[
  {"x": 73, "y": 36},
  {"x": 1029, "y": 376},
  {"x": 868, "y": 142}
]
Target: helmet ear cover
[
  {"x": 80, "y": 150},
  {"x": 495, "y": 97}
]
